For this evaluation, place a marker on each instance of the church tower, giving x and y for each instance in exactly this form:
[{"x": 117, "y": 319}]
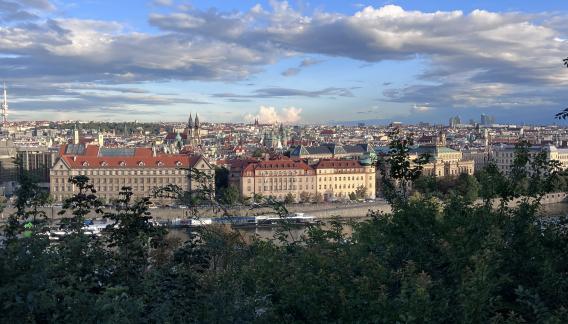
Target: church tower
[
  {"x": 100, "y": 138},
  {"x": 197, "y": 131},
  {"x": 75, "y": 135},
  {"x": 441, "y": 140},
  {"x": 189, "y": 130}
]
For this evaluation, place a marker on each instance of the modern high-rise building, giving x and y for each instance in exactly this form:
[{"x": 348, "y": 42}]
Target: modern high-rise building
[
  {"x": 487, "y": 120},
  {"x": 454, "y": 121}
]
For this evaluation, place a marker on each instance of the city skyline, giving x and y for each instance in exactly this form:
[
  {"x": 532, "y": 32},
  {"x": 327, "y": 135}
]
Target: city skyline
[{"x": 291, "y": 62}]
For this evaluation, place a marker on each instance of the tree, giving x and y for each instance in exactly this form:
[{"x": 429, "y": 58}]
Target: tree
[
  {"x": 221, "y": 178},
  {"x": 305, "y": 197},
  {"x": 318, "y": 197},
  {"x": 289, "y": 198},
  {"x": 468, "y": 187},
  {"x": 361, "y": 192},
  {"x": 563, "y": 114},
  {"x": 230, "y": 195},
  {"x": 426, "y": 184},
  {"x": 133, "y": 235},
  {"x": 398, "y": 171},
  {"x": 81, "y": 204}
]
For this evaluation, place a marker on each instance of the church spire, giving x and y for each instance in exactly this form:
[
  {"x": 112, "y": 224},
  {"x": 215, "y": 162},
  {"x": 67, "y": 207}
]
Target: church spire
[
  {"x": 197, "y": 124},
  {"x": 190, "y": 121}
]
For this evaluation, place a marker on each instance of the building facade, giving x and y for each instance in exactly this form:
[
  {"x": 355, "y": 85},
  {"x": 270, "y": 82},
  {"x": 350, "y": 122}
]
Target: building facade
[
  {"x": 337, "y": 179},
  {"x": 504, "y": 155},
  {"x": 332, "y": 179},
  {"x": 109, "y": 169},
  {"x": 443, "y": 161},
  {"x": 331, "y": 151}
]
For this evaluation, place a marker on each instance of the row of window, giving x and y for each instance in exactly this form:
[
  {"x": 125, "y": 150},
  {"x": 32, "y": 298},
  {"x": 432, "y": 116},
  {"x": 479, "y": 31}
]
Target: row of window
[
  {"x": 122, "y": 172},
  {"x": 344, "y": 186}
]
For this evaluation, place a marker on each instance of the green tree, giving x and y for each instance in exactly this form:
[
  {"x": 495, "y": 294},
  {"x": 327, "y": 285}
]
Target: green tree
[
  {"x": 289, "y": 198},
  {"x": 468, "y": 187},
  {"x": 230, "y": 195},
  {"x": 361, "y": 192},
  {"x": 305, "y": 197},
  {"x": 221, "y": 178},
  {"x": 83, "y": 203},
  {"x": 132, "y": 234},
  {"x": 398, "y": 171}
]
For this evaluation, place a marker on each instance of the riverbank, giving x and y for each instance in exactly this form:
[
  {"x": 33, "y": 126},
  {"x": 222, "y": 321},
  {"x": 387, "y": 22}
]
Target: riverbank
[{"x": 320, "y": 211}]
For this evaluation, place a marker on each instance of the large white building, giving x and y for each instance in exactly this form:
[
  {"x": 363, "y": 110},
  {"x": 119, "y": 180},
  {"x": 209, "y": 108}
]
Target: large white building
[{"x": 504, "y": 155}]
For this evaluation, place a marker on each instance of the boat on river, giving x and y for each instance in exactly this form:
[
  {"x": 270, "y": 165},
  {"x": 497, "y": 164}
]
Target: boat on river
[{"x": 297, "y": 219}]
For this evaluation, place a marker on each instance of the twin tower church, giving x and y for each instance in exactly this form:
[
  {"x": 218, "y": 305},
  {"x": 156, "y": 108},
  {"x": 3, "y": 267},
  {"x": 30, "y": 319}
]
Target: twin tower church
[{"x": 190, "y": 136}]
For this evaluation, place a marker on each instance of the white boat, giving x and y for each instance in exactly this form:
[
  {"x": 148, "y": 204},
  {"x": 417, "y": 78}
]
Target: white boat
[{"x": 292, "y": 219}]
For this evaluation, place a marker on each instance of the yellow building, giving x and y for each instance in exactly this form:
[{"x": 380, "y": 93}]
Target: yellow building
[
  {"x": 339, "y": 178},
  {"x": 277, "y": 178},
  {"x": 331, "y": 178}
]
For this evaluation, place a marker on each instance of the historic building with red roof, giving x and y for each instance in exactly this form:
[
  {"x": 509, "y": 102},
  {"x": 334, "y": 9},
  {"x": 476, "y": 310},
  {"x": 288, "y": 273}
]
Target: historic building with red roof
[{"x": 110, "y": 169}]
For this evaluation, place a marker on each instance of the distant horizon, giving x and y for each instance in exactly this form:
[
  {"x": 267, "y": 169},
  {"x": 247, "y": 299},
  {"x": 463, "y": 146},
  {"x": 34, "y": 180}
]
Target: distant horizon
[{"x": 353, "y": 123}]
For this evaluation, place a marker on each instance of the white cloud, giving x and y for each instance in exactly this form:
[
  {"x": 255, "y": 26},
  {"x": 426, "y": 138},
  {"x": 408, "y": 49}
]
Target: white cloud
[
  {"x": 421, "y": 108},
  {"x": 476, "y": 59},
  {"x": 270, "y": 115}
]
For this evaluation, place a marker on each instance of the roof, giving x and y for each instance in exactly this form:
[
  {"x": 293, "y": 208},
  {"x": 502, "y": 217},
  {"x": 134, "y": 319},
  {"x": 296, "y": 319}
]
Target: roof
[
  {"x": 331, "y": 149},
  {"x": 338, "y": 164},
  {"x": 94, "y": 157},
  {"x": 277, "y": 165}
]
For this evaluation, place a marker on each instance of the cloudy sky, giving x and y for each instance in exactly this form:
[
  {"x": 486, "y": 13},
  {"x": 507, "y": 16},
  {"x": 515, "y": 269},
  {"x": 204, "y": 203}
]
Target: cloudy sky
[{"x": 294, "y": 62}]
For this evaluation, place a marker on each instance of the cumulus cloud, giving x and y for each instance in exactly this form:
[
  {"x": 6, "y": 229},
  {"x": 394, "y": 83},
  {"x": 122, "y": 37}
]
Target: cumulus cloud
[
  {"x": 471, "y": 59},
  {"x": 511, "y": 49},
  {"x": 421, "y": 108},
  {"x": 271, "y": 115}
]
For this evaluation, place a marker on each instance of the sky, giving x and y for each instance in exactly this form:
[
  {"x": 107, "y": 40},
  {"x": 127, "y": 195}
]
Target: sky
[{"x": 295, "y": 62}]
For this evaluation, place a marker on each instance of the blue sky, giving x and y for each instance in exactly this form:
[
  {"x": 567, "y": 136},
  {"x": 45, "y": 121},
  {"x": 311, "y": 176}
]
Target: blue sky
[{"x": 292, "y": 62}]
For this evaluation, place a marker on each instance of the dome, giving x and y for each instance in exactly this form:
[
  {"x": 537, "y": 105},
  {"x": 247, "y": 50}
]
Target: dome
[{"x": 366, "y": 161}]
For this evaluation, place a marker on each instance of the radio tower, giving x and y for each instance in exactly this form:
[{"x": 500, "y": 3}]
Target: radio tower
[{"x": 5, "y": 108}]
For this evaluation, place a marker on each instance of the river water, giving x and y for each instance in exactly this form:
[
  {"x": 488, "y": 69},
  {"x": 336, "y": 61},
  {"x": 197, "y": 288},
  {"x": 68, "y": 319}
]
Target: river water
[{"x": 296, "y": 232}]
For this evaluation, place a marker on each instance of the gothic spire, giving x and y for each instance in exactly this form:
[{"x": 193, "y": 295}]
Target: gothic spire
[
  {"x": 197, "y": 124},
  {"x": 190, "y": 121}
]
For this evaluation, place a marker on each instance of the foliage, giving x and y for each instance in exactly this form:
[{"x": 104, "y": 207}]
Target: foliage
[
  {"x": 318, "y": 197},
  {"x": 361, "y": 192},
  {"x": 221, "y": 178},
  {"x": 398, "y": 171},
  {"x": 230, "y": 195},
  {"x": 564, "y": 113},
  {"x": 441, "y": 260},
  {"x": 289, "y": 198},
  {"x": 305, "y": 197}
]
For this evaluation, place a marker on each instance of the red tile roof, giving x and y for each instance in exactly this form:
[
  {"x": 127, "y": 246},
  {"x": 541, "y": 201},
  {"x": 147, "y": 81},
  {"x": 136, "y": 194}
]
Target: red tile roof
[{"x": 142, "y": 158}]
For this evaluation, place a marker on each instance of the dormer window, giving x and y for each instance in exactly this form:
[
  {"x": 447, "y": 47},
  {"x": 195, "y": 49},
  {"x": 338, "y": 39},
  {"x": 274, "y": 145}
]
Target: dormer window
[
  {"x": 141, "y": 163},
  {"x": 122, "y": 163},
  {"x": 104, "y": 163},
  {"x": 160, "y": 163},
  {"x": 178, "y": 163},
  {"x": 85, "y": 164}
]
